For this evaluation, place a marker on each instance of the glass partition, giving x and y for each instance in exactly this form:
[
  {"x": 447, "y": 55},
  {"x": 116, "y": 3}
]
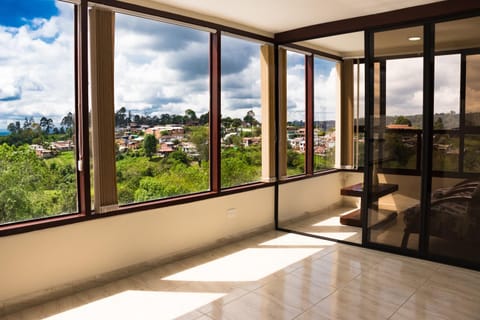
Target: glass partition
[
  {"x": 396, "y": 124},
  {"x": 322, "y": 204},
  {"x": 454, "y": 229}
]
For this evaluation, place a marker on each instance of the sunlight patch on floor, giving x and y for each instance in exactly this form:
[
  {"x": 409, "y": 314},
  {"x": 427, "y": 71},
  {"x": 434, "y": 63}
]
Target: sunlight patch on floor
[
  {"x": 251, "y": 264},
  {"x": 133, "y": 304},
  {"x": 292, "y": 239},
  {"x": 330, "y": 222},
  {"x": 335, "y": 235}
]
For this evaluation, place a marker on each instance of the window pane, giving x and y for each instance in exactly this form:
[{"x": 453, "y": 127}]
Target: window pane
[
  {"x": 472, "y": 94},
  {"x": 472, "y": 154},
  {"x": 452, "y": 225},
  {"x": 447, "y": 92},
  {"x": 398, "y": 112},
  {"x": 241, "y": 112},
  {"x": 404, "y": 113},
  {"x": 359, "y": 114},
  {"x": 325, "y": 104},
  {"x": 445, "y": 152},
  {"x": 161, "y": 109},
  {"x": 295, "y": 113},
  {"x": 37, "y": 104}
]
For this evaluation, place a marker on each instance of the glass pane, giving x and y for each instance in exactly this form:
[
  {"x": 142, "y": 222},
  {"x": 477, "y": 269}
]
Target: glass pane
[
  {"x": 325, "y": 105},
  {"x": 453, "y": 229},
  {"x": 447, "y": 92},
  {"x": 295, "y": 113},
  {"x": 241, "y": 112},
  {"x": 398, "y": 109},
  {"x": 472, "y": 91},
  {"x": 161, "y": 109},
  {"x": 37, "y": 111},
  {"x": 446, "y": 149},
  {"x": 359, "y": 114},
  {"x": 472, "y": 154}
]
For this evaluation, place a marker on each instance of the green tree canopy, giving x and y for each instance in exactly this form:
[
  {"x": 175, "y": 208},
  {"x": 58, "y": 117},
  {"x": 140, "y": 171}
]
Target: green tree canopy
[
  {"x": 403, "y": 120},
  {"x": 150, "y": 145}
]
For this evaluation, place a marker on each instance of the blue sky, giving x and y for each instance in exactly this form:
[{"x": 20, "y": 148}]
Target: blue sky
[{"x": 14, "y": 13}]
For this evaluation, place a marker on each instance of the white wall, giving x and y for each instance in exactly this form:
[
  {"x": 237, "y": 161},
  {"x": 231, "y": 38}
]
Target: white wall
[
  {"x": 310, "y": 195},
  {"x": 32, "y": 263}
]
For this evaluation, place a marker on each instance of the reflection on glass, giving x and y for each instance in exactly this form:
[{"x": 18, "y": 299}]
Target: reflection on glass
[
  {"x": 401, "y": 148},
  {"x": 241, "y": 132},
  {"x": 295, "y": 113},
  {"x": 453, "y": 229},
  {"x": 472, "y": 154},
  {"x": 161, "y": 109},
  {"x": 447, "y": 92},
  {"x": 359, "y": 114},
  {"x": 37, "y": 111},
  {"x": 472, "y": 91},
  {"x": 398, "y": 114},
  {"x": 325, "y": 104},
  {"x": 446, "y": 149}
]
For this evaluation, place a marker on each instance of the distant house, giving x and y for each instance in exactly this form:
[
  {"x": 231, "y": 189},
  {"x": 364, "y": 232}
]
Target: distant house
[
  {"x": 41, "y": 152},
  {"x": 166, "y": 133},
  {"x": 399, "y": 126},
  {"x": 62, "y": 145},
  {"x": 251, "y": 141},
  {"x": 166, "y": 148}
]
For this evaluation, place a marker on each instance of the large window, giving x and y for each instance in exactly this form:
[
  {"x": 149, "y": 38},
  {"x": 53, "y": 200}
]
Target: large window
[
  {"x": 296, "y": 131},
  {"x": 161, "y": 109},
  {"x": 241, "y": 130},
  {"x": 324, "y": 115},
  {"x": 37, "y": 110}
]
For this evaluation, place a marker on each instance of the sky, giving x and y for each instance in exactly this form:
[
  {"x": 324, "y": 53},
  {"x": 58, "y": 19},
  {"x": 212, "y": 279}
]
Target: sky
[{"x": 164, "y": 68}]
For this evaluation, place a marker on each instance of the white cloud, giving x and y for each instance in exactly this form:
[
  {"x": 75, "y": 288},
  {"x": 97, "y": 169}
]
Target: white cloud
[
  {"x": 36, "y": 64},
  {"x": 325, "y": 94}
]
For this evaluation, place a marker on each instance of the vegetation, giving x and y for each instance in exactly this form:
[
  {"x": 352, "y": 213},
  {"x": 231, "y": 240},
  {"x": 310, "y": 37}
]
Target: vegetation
[{"x": 33, "y": 187}]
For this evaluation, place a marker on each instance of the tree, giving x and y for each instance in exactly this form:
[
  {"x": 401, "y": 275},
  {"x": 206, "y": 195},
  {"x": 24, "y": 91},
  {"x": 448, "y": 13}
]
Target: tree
[
  {"x": 249, "y": 119},
  {"x": 12, "y": 128},
  {"x": 236, "y": 123},
  {"x": 403, "y": 120},
  {"x": 150, "y": 145},
  {"x": 190, "y": 116},
  {"x": 46, "y": 124},
  {"x": 204, "y": 119},
  {"x": 179, "y": 156},
  {"x": 200, "y": 139},
  {"x": 67, "y": 121},
  {"x": 121, "y": 117},
  {"x": 438, "y": 125}
]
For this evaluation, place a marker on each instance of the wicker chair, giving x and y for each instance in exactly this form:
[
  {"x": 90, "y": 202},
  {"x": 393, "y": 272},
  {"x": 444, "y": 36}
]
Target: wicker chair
[{"x": 454, "y": 214}]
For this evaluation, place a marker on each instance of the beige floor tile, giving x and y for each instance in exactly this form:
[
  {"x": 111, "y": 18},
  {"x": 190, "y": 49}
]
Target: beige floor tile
[
  {"x": 350, "y": 303},
  {"x": 255, "y": 306},
  {"x": 298, "y": 292},
  {"x": 431, "y": 302},
  {"x": 324, "y": 273}
]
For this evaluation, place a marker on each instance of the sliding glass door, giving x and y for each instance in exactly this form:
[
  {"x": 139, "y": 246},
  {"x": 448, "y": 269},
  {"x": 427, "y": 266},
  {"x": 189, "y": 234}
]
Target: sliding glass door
[
  {"x": 454, "y": 214},
  {"x": 395, "y": 133},
  {"x": 423, "y": 181}
]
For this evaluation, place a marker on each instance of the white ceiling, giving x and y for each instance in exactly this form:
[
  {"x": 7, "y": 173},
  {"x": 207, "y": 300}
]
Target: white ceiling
[
  {"x": 272, "y": 16},
  {"x": 267, "y": 17}
]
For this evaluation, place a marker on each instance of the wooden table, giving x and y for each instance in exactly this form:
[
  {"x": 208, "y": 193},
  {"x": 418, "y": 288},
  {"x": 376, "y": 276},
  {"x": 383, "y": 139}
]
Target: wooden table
[{"x": 378, "y": 191}]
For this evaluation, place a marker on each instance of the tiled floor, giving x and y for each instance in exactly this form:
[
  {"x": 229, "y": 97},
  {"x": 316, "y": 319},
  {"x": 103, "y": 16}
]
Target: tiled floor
[
  {"x": 280, "y": 276},
  {"x": 326, "y": 223}
]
